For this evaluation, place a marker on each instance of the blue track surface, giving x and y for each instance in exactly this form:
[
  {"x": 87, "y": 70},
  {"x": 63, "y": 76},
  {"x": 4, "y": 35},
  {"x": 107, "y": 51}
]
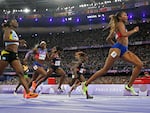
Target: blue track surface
[{"x": 74, "y": 104}]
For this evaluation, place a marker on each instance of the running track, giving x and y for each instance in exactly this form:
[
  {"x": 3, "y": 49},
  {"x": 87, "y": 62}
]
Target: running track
[{"x": 74, "y": 104}]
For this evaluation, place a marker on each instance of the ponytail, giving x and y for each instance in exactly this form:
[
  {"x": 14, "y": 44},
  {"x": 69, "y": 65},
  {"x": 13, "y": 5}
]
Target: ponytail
[
  {"x": 112, "y": 23},
  {"x": 114, "y": 19}
]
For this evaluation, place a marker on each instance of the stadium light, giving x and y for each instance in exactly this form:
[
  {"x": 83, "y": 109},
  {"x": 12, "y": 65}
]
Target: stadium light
[
  {"x": 70, "y": 18},
  {"x": 63, "y": 20},
  {"x": 50, "y": 19},
  {"x": 103, "y": 18},
  {"x": 26, "y": 10},
  {"x": 36, "y": 34},
  {"x": 130, "y": 16},
  {"x": 77, "y": 20},
  {"x": 92, "y": 16},
  {"x": 20, "y": 36},
  {"x": 34, "y": 10},
  {"x": 20, "y": 18},
  {"x": 36, "y": 19}
]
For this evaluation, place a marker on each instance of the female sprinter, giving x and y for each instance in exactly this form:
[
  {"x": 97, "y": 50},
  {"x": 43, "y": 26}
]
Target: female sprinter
[
  {"x": 119, "y": 50},
  {"x": 55, "y": 62},
  {"x": 40, "y": 55},
  {"x": 78, "y": 71},
  {"x": 10, "y": 54}
]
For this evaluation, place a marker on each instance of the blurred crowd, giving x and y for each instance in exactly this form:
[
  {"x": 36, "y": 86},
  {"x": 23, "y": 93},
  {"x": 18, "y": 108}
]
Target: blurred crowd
[{"x": 93, "y": 42}]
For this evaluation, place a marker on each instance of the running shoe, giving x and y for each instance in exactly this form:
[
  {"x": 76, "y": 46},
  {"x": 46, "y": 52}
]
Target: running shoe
[
  {"x": 84, "y": 87},
  {"x": 131, "y": 89},
  {"x": 89, "y": 97},
  {"x": 30, "y": 95},
  {"x": 15, "y": 93}
]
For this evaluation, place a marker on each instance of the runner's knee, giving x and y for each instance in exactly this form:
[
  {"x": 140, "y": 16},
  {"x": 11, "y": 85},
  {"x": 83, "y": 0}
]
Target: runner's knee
[
  {"x": 140, "y": 64},
  {"x": 104, "y": 70}
]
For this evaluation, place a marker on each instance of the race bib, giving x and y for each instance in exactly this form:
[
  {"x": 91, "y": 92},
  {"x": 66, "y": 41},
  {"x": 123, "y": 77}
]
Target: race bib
[
  {"x": 42, "y": 57},
  {"x": 113, "y": 54},
  {"x": 57, "y": 63},
  {"x": 81, "y": 70},
  {"x": 73, "y": 76},
  {"x": 35, "y": 67}
]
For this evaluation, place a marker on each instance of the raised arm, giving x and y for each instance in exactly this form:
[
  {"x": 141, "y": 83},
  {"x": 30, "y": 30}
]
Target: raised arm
[{"x": 28, "y": 54}]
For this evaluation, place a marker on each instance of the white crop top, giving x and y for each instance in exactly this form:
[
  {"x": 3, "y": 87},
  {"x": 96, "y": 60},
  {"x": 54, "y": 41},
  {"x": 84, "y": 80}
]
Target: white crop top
[{"x": 13, "y": 36}]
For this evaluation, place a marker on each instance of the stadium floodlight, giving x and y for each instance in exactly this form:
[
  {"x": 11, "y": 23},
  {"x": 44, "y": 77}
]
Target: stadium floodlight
[
  {"x": 70, "y": 18},
  {"x": 63, "y": 20},
  {"x": 50, "y": 19},
  {"x": 36, "y": 34},
  {"x": 19, "y": 35},
  {"x": 103, "y": 18},
  {"x": 36, "y": 19},
  {"x": 20, "y": 18},
  {"x": 8, "y": 12},
  {"x": 77, "y": 20},
  {"x": 92, "y": 16},
  {"x": 130, "y": 16},
  {"x": 26, "y": 10},
  {"x": 34, "y": 10}
]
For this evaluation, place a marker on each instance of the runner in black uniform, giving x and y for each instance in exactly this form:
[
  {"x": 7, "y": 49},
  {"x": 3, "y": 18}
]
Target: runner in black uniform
[
  {"x": 78, "y": 71},
  {"x": 55, "y": 62}
]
